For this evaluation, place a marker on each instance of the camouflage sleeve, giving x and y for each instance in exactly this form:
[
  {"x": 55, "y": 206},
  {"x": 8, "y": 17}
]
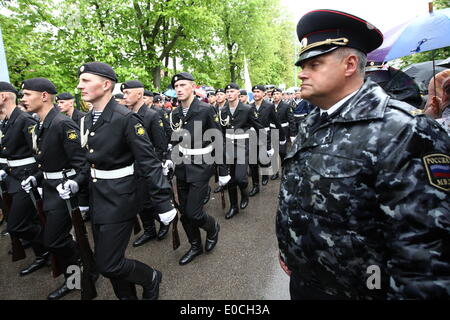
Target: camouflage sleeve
[{"x": 413, "y": 188}]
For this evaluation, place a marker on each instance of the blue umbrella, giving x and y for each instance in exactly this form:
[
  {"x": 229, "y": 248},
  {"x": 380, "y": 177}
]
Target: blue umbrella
[
  {"x": 424, "y": 33},
  {"x": 170, "y": 93}
]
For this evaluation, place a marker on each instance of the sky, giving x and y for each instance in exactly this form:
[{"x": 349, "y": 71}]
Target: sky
[{"x": 384, "y": 14}]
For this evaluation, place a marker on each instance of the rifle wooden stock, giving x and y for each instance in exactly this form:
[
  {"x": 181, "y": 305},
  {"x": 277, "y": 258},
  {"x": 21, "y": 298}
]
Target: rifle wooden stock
[
  {"x": 175, "y": 234},
  {"x": 18, "y": 252},
  {"x": 88, "y": 290},
  {"x": 222, "y": 197}
]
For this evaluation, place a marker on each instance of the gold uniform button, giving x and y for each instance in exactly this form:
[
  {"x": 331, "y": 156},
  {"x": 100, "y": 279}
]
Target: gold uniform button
[
  {"x": 92, "y": 134},
  {"x": 39, "y": 152},
  {"x": 94, "y": 180},
  {"x": 39, "y": 165},
  {"x": 4, "y": 148},
  {"x": 91, "y": 151},
  {"x": 93, "y": 166}
]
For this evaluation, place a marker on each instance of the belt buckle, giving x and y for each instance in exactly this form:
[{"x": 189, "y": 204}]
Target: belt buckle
[{"x": 94, "y": 175}]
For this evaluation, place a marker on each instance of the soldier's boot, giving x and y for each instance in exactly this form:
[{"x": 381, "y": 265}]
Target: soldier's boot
[
  {"x": 275, "y": 176},
  {"x": 234, "y": 209},
  {"x": 195, "y": 239},
  {"x": 123, "y": 289},
  {"x": 61, "y": 291},
  {"x": 212, "y": 228},
  {"x": 264, "y": 180},
  {"x": 39, "y": 263},
  {"x": 163, "y": 230},
  {"x": 254, "y": 191},
  {"x": 149, "y": 229},
  {"x": 244, "y": 197},
  {"x": 148, "y": 278},
  {"x": 208, "y": 196},
  {"x": 218, "y": 189}
]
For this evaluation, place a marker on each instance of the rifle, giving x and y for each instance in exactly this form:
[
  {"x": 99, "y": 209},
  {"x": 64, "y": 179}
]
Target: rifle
[
  {"x": 18, "y": 252},
  {"x": 222, "y": 197},
  {"x": 88, "y": 290},
  {"x": 175, "y": 234},
  {"x": 37, "y": 201}
]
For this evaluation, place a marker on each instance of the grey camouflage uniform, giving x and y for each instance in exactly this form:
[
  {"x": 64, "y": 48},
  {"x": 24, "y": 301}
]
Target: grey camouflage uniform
[{"x": 357, "y": 192}]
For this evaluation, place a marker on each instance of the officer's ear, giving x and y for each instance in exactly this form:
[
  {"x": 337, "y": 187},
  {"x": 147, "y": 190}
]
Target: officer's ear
[
  {"x": 46, "y": 97},
  {"x": 351, "y": 65}
]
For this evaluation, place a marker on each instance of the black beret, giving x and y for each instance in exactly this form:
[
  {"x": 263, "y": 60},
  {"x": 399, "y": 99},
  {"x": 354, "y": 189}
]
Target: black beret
[
  {"x": 277, "y": 90},
  {"x": 322, "y": 31},
  {"x": 99, "y": 69},
  {"x": 243, "y": 92},
  {"x": 64, "y": 96},
  {"x": 181, "y": 76},
  {"x": 259, "y": 87},
  {"x": 148, "y": 93},
  {"x": 211, "y": 93},
  {"x": 158, "y": 98},
  {"x": 132, "y": 84},
  {"x": 118, "y": 96},
  {"x": 232, "y": 86},
  {"x": 220, "y": 90},
  {"x": 40, "y": 85},
  {"x": 7, "y": 87}
]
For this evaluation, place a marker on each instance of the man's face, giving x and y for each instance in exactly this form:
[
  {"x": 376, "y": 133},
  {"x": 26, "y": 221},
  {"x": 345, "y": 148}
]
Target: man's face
[
  {"x": 91, "y": 86},
  {"x": 65, "y": 105},
  {"x": 258, "y": 95},
  {"x": 276, "y": 97},
  {"x": 321, "y": 77},
  {"x": 221, "y": 97},
  {"x": 32, "y": 100},
  {"x": 298, "y": 95},
  {"x": 132, "y": 96},
  {"x": 233, "y": 95},
  {"x": 148, "y": 100},
  {"x": 184, "y": 89},
  {"x": 212, "y": 99},
  {"x": 159, "y": 104},
  {"x": 243, "y": 98}
]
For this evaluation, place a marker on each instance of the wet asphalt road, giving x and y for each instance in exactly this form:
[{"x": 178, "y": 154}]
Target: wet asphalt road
[{"x": 243, "y": 265}]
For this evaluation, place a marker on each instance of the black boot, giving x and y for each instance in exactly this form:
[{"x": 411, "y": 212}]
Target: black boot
[
  {"x": 148, "y": 278},
  {"x": 62, "y": 291},
  {"x": 40, "y": 262},
  {"x": 264, "y": 180},
  {"x": 208, "y": 196},
  {"x": 194, "y": 237},
  {"x": 275, "y": 176},
  {"x": 124, "y": 290},
  {"x": 254, "y": 190},
  {"x": 244, "y": 198},
  {"x": 149, "y": 229},
  {"x": 163, "y": 230},
  {"x": 232, "y": 192},
  {"x": 212, "y": 229}
]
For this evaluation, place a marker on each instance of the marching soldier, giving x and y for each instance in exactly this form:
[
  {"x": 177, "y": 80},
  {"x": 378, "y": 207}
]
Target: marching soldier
[
  {"x": 56, "y": 147},
  {"x": 116, "y": 141},
  {"x": 236, "y": 118},
  {"x": 212, "y": 98},
  {"x": 221, "y": 99},
  {"x": 301, "y": 108},
  {"x": 193, "y": 118},
  {"x": 133, "y": 92},
  {"x": 17, "y": 151},
  {"x": 284, "y": 114},
  {"x": 158, "y": 106},
  {"x": 148, "y": 97},
  {"x": 266, "y": 115},
  {"x": 243, "y": 97}
]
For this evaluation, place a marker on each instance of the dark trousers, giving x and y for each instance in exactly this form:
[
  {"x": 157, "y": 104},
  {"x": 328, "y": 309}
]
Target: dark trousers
[
  {"x": 23, "y": 221},
  {"x": 191, "y": 196},
  {"x": 239, "y": 177}
]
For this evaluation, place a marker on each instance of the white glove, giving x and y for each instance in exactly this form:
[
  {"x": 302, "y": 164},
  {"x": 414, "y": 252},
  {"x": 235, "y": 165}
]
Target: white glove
[
  {"x": 292, "y": 139},
  {"x": 3, "y": 175},
  {"x": 223, "y": 180},
  {"x": 69, "y": 187},
  {"x": 270, "y": 152},
  {"x": 169, "y": 147},
  {"x": 167, "y": 217},
  {"x": 28, "y": 183},
  {"x": 282, "y": 143},
  {"x": 165, "y": 170},
  {"x": 168, "y": 164}
]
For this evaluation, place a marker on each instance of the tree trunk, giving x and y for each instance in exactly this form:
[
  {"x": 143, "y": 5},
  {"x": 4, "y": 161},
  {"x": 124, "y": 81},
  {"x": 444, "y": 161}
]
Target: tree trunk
[{"x": 156, "y": 73}]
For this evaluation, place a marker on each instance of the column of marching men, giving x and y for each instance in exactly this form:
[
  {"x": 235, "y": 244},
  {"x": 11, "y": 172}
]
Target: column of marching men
[{"x": 118, "y": 161}]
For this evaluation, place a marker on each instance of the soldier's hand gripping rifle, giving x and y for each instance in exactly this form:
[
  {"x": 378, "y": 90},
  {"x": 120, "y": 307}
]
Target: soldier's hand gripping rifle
[
  {"x": 37, "y": 202},
  {"x": 18, "y": 252},
  {"x": 175, "y": 234},
  {"x": 88, "y": 290}
]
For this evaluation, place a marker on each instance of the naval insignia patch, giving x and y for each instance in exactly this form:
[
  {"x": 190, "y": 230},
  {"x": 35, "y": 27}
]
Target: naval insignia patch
[
  {"x": 139, "y": 129},
  {"x": 216, "y": 118},
  {"x": 437, "y": 166},
  {"x": 72, "y": 134},
  {"x": 161, "y": 123},
  {"x": 31, "y": 129}
]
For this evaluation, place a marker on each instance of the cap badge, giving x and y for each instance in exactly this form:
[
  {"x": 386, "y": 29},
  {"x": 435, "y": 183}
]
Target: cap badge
[{"x": 81, "y": 68}]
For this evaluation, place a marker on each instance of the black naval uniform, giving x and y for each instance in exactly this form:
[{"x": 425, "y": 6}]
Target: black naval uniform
[
  {"x": 155, "y": 129},
  {"x": 77, "y": 115},
  {"x": 193, "y": 179},
  {"x": 266, "y": 115},
  {"x": 23, "y": 221},
  {"x": 115, "y": 143},
  {"x": 164, "y": 115},
  {"x": 237, "y": 149},
  {"x": 58, "y": 148}
]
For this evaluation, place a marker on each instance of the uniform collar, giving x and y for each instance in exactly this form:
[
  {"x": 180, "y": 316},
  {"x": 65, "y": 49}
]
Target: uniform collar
[
  {"x": 336, "y": 106},
  {"x": 142, "y": 110},
  {"x": 50, "y": 116}
]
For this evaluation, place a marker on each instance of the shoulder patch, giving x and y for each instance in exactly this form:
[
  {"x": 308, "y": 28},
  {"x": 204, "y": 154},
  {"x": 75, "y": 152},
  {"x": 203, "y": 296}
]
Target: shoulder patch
[
  {"x": 166, "y": 116},
  {"x": 71, "y": 134},
  {"x": 139, "y": 129},
  {"x": 437, "y": 166},
  {"x": 256, "y": 114},
  {"x": 31, "y": 129},
  {"x": 161, "y": 123},
  {"x": 216, "y": 118}
]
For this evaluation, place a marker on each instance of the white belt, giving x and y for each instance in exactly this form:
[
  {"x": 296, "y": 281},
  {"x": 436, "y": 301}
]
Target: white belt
[
  {"x": 299, "y": 115},
  {"x": 58, "y": 175},
  {"x": 112, "y": 174},
  {"x": 3, "y": 160},
  {"x": 283, "y": 125},
  {"x": 233, "y": 136},
  {"x": 196, "y": 152},
  {"x": 20, "y": 162},
  {"x": 267, "y": 129}
]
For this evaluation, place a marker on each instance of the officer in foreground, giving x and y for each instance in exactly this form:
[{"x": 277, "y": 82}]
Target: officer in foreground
[{"x": 365, "y": 188}]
